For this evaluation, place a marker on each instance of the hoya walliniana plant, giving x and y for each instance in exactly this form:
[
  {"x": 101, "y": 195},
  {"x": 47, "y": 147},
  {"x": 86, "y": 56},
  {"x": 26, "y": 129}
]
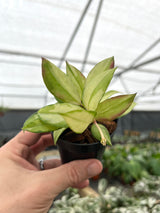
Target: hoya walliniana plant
[{"x": 82, "y": 102}]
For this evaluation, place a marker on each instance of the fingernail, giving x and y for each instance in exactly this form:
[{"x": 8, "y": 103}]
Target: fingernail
[{"x": 94, "y": 169}]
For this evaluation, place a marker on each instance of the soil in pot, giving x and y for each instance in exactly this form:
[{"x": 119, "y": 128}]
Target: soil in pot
[{"x": 74, "y": 146}]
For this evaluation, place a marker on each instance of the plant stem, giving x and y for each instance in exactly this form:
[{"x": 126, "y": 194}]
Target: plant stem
[
  {"x": 155, "y": 204},
  {"x": 88, "y": 136},
  {"x": 103, "y": 139}
]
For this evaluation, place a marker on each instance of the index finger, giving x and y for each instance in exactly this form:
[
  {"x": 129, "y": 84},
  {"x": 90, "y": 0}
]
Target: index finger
[
  {"x": 44, "y": 142},
  {"x": 28, "y": 138}
]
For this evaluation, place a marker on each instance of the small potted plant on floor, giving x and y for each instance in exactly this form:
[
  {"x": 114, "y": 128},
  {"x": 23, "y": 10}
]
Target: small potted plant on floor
[
  {"x": 84, "y": 116},
  {"x": 3, "y": 110}
]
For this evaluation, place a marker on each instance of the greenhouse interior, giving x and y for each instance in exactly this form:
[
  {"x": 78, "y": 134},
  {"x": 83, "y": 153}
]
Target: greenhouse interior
[{"x": 39, "y": 36}]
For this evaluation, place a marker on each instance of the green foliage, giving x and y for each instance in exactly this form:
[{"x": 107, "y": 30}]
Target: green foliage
[
  {"x": 76, "y": 76},
  {"x": 108, "y": 94},
  {"x": 114, "y": 107},
  {"x": 100, "y": 67},
  {"x": 154, "y": 165},
  {"x": 57, "y": 133},
  {"x": 59, "y": 84},
  {"x": 143, "y": 197},
  {"x": 130, "y": 163},
  {"x": 98, "y": 131},
  {"x": 3, "y": 109},
  {"x": 81, "y": 101},
  {"x": 34, "y": 124},
  {"x": 95, "y": 89},
  {"x": 74, "y": 116}
]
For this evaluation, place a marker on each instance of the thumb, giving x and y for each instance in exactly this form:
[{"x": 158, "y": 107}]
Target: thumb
[{"x": 70, "y": 174}]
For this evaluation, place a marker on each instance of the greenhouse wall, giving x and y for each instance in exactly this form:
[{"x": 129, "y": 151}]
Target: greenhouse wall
[{"x": 140, "y": 121}]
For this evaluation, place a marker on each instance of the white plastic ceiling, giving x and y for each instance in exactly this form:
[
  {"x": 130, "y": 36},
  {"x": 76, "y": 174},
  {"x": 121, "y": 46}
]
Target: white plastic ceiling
[{"x": 127, "y": 30}]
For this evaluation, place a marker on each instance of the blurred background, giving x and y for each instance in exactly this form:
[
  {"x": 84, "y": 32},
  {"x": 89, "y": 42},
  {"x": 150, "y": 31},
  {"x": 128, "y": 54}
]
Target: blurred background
[{"x": 84, "y": 33}]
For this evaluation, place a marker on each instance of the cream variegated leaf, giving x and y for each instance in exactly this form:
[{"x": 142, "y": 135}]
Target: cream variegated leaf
[
  {"x": 100, "y": 67},
  {"x": 59, "y": 84},
  {"x": 100, "y": 132},
  {"x": 95, "y": 89},
  {"x": 76, "y": 76},
  {"x": 81, "y": 101},
  {"x": 57, "y": 133},
  {"x": 59, "y": 108},
  {"x": 52, "y": 119},
  {"x": 34, "y": 124},
  {"x": 75, "y": 117},
  {"x": 112, "y": 108},
  {"x": 108, "y": 95},
  {"x": 128, "y": 110},
  {"x": 79, "y": 120}
]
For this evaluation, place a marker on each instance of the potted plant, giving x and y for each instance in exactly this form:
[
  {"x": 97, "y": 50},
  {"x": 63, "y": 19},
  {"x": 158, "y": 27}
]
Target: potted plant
[
  {"x": 84, "y": 116},
  {"x": 3, "y": 110}
]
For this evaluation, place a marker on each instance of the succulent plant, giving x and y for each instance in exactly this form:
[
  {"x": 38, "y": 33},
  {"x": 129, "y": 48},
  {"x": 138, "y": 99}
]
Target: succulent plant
[{"x": 82, "y": 102}]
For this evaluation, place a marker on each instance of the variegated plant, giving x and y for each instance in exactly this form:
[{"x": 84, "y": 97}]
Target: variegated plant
[{"x": 81, "y": 102}]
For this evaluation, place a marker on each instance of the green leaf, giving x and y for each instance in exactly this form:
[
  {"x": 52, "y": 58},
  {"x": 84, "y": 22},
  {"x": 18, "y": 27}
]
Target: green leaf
[
  {"x": 95, "y": 89},
  {"x": 96, "y": 133},
  {"x": 59, "y": 84},
  {"x": 79, "y": 120},
  {"x": 102, "y": 185},
  {"x": 102, "y": 66},
  {"x": 59, "y": 108},
  {"x": 154, "y": 165},
  {"x": 57, "y": 133},
  {"x": 34, "y": 124},
  {"x": 49, "y": 118},
  {"x": 128, "y": 110},
  {"x": 134, "y": 169},
  {"x": 75, "y": 116},
  {"x": 114, "y": 107},
  {"x": 108, "y": 94},
  {"x": 76, "y": 76},
  {"x": 59, "y": 100}
]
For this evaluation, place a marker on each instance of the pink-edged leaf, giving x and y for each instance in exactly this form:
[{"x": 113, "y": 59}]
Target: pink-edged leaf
[
  {"x": 128, "y": 110},
  {"x": 34, "y": 124},
  {"x": 70, "y": 115},
  {"x": 59, "y": 84},
  {"x": 95, "y": 89},
  {"x": 102, "y": 66},
  {"x": 76, "y": 77},
  {"x": 79, "y": 120},
  {"x": 112, "y": 108},
  {"x": 108, "y": 94}
]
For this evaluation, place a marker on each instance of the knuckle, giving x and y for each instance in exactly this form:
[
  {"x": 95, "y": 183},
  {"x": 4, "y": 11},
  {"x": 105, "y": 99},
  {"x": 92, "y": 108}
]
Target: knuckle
[{"x": 73, "y": 175}]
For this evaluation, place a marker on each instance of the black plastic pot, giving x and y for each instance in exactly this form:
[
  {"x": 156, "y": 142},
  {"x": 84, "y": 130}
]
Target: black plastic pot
[
  {"x": 70, "y": 151},
  {"x": 73, "y": 151}
]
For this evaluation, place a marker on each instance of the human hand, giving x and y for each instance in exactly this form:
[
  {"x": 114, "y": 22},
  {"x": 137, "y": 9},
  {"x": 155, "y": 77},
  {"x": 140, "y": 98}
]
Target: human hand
[{"x": 24, "y": 188}]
